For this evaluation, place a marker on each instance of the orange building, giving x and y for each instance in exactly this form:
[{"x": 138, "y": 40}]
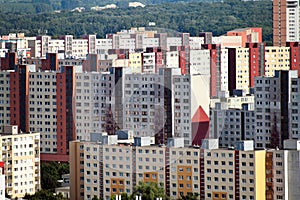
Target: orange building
[{"x": 249, "y": 35}]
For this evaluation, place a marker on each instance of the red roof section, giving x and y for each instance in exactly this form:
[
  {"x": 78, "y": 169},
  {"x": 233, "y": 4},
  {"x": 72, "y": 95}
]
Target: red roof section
[
  {"x": 200, "y": 115},
  {"x": 54, "y": 157}
]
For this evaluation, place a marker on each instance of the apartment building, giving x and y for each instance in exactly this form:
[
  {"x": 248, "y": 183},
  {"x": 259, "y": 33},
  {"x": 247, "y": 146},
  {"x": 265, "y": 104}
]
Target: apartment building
[
  {"x": 285, "y": 22},
  {"x": 257, "y": 52},
  {"x": 136, "y": 62},
  {"x": 184, "y": 172},
  {"x": 37, "y": 104},
  {"x": 94, "y": 104},
  {"x": 248, "y": 35},
  {"x": 160, "y": 117},
  {"x": 275, "y": 177},
  {"x": 293, "y": 109},
  {"x": 210, "y": 171},
  {"x": 5, "y": 99},
  {"x": 174, "y": 41},
  {"x": 150, "y": 42},
  {"x": 108, "y": 168},
  {"x": 232, "y": 125},
  {"x": 20, "y": 153},
  {"x": 224, "y": 70},
  {"x": 149, "y": 164},
  {"x": 199, "y": 61},
  {"x": 275, "y": 106},
  {"x": 2, "y": 181},
  {"x": 172, "y": 59},
  {"x": 143, "y": 104},
  {"x": 238, "y": 69},
  {"x": 196, "y": 42},
  {"x": 103, "y": 45},
  {"x": 149, "y": 62},
  {"x": 272, "y": 99},
  {"x": 218, "y": 186},
  {"x": 276, "y": 58},
  {"x": 43, "y": 108}
]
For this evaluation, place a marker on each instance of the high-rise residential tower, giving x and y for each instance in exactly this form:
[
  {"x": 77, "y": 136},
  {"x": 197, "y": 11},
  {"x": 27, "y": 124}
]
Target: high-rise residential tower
[{"x": 285, "y": 21}]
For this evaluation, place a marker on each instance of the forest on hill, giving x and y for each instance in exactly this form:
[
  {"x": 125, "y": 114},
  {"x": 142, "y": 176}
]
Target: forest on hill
[
  {"x": 71, "y": 4},
  {"x": 218, "y": 18}
]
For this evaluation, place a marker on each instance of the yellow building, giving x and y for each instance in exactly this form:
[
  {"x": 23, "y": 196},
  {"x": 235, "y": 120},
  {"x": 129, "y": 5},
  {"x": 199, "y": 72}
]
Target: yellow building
[
  {"x": 242, "y": 69},
  {"x": 135, "y": 62},
  {"x": 276, "y": 58}
]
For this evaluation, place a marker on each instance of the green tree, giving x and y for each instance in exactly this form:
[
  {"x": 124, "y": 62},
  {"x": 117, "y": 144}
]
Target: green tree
[
  {"x": 149, "y": 191},
  {"x": 125, "y": 196},
  {"x": 190, "y": 196},
  {"x": 44, "y": 195},
  {"x": 51, "y": 172},
  {"x": 49, "y": 176},
  {"x": 95, "y": 198}
]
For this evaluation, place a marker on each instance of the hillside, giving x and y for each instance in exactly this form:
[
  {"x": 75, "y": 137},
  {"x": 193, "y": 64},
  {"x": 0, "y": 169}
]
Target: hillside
[
  {"x": 37, "y": 6},
  {"x": 184, "y": 17}
]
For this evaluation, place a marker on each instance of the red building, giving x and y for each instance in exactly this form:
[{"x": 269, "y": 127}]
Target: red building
[
  {"x": 65, "y": 100},
  {"x": 256, "y": 60},
  {"x": 215, "y": 68},
  {"x": 91, "y": 63},
  {"x": 19, "y": 102},
  {"x": 9, "y": 62},
  {"x": 51, "y": 62},
  {"x": 294, "y": 55},
  {"x": 184, "y": 58}
]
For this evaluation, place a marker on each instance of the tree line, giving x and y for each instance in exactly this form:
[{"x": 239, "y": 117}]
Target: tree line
[{"x": 217, "y": 18}]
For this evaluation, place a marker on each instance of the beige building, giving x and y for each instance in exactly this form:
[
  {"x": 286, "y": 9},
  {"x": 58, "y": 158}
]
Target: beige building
[
  {"x": 21, "y": 154},
  {"x": 135, "y": 62},
  {"x": 242, "y": 69},
  {"x": 276, "y": 58},
  {"x": 184, "y": 171},
  {"x": 219, "y": 177},
  {"x": 212, "y": 172}
]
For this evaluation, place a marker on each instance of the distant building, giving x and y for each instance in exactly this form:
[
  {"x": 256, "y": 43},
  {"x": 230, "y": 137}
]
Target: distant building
[{"x": 285, "y": 22}]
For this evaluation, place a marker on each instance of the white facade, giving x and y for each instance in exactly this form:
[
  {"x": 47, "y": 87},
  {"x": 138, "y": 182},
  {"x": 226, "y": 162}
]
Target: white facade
[
  {"x": 20, "y": 153},
  {"x": 172, "y": 59},
  {"x": 2, "y": 183},
  {"x": 174, "y": 41},
  {"x": 143, "y": 103},
  {"x": 150, "y": 42},
  {"x": 196, "y": 42},
  {"x": 93, "y": 103},
  {"x": 182, "y": 116},
  {"x": 104, "y": 44},
  {"x": 292, "y": 21},
  {"x": 56, "y": 45},
  {"x": 148, "y": 65},
  {"x": 42, "y": 108},
  {"x": 200, "y": 62},
  {"x": 224, "y": 69},
  {"x": 80, "y": 48}
]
